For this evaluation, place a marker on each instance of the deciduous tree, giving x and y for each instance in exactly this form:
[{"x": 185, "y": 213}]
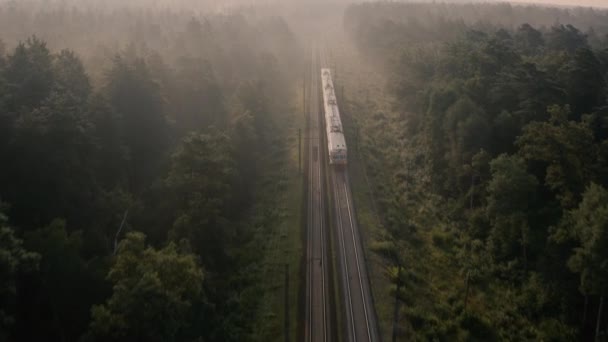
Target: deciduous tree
[{"x": 153, "y": 294}]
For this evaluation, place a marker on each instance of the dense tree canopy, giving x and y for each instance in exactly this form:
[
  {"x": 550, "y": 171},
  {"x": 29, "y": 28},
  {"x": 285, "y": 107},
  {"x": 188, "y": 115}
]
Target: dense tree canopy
[
  {"x": 154, "y": 292},
  {"x": 155, "y": 133},
  {"x": 504, "y": 157},
  {"x": 14, "y": 261},
  {"x": 145, "y": 154}
]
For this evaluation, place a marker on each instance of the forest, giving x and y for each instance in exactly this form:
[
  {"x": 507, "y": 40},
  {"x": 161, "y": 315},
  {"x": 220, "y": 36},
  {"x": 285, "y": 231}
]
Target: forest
[
  {"x": 150, "y": 187},
  {"x": 489, "y": 167},
  {"x": 135, "y": 152}
]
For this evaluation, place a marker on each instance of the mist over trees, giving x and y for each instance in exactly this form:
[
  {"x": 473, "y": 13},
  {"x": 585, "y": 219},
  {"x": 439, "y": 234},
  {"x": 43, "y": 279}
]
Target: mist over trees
[
  {"x": 500, "y": 171},
  {"x": 143, "y": 152},
  {"x": 127, "y": 144}
]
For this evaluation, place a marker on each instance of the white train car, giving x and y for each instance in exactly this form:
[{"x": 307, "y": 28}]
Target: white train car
[{"x": 333, "y": 125}]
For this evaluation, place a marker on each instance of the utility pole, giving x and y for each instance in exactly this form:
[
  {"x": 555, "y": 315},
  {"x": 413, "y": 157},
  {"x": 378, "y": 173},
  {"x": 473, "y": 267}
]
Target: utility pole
[
  {"x": 304, "y": 94},
  {"x": 286, "y": 302},
  {"x": 304, "y": 113}
]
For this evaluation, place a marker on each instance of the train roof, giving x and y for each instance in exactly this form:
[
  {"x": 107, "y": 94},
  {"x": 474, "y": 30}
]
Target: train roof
[
  {"x": 335, "y": 136},
  {"x": 336, "y": 141},
  {"x": 332, "y": 113}
]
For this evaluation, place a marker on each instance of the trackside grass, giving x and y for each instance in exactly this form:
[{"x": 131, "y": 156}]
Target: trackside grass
[
  {"x": 352, "y": 87},
  {"x": 279, "y": 234}
]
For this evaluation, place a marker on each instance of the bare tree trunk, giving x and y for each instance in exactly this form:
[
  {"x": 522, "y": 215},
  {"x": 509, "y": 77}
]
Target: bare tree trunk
[
  {"x": 585, "y": 310},
  {"x": 599, "y": 317},
  {"x": 122, "y": 223},
  {"x": 472, "y": 189},
  {"x": 466, "y": 291},
  {"x": 57, "y": 322},
  {"x": 525, "y": 258},
  {"x": 396, "y": 309},
  {"x": 524, "y": 244}
]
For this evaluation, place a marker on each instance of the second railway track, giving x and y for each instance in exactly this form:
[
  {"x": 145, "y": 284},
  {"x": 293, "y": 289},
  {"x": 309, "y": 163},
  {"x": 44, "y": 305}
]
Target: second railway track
[{"x": 317, "y": 308}]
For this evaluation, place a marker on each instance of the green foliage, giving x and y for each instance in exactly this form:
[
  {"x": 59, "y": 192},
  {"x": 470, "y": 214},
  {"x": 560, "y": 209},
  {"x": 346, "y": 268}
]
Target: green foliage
[
  {"x": 529, "y": 40},
  {"x": 583, "y": 82},
  {"x": 201, "y": 178},
  {"x": 154, "y": 292},
  {"x": 70, "y": 76},
  {"x": 66, "y": 285},
  {"x": 561, "y": 152},
  {"x": 167, "y": 137},
  {"x": 480, "y": 329},
  {"x": 590, "y": 231},
  {"x": 136, "y": 97},
  {"x": 15, "y": 260},
  {"x": 511, "y": 189},
  {"x": 566, "y": 38},
  {"x": 253, "y": 97},
  {"x": 58, "y": 124},
  {"x": 108, "y": 134},
  {"x": 494, "y": 136},
  {"x": 29, "y": 74},
  {"x": 197, "y": 96}
]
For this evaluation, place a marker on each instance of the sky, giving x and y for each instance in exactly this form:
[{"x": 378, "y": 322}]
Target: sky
[
  {"x": 188, "y": 3},
  {"x": 590, "y": 3}
]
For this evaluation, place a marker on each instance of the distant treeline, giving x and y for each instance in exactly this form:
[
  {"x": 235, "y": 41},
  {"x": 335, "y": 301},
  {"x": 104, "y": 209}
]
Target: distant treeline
[
  {"x": 493, "y": 176},
  {"x": 382, "y": 27},
  {"x": 165, "y": 144},
  {"x": 230, "y": 42}
]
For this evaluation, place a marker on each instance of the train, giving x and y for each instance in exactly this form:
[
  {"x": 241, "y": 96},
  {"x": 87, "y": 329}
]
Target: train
[{"x": 336, "y": 144}]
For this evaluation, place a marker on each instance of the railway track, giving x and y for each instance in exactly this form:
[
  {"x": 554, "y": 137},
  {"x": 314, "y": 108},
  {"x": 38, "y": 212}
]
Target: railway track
[
  {"x": 359, "y": 322},
  {"x": 357, "y": 303},
  {"x": 317, "y": 308}
]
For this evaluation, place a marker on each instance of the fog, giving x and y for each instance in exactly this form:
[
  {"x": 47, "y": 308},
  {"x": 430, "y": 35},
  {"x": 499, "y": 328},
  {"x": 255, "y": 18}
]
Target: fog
[{"x": 154, "y": 157}]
